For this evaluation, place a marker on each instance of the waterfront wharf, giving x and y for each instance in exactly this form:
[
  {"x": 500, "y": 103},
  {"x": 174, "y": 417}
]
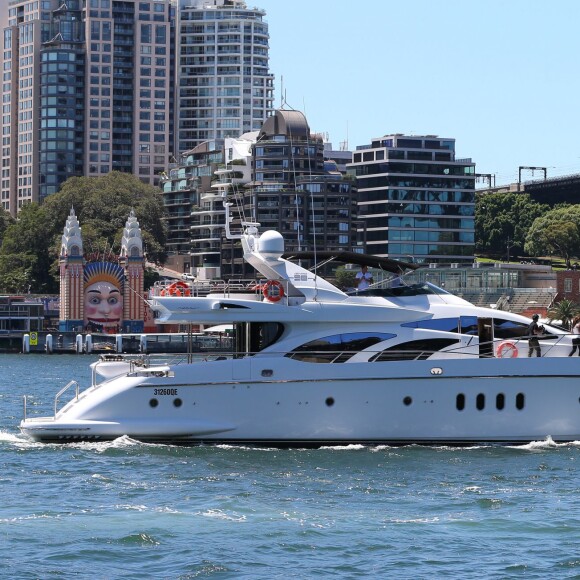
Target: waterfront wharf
[{"x": 56, "y": 342}]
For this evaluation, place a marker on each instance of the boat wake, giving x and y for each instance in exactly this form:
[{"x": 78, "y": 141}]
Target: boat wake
[
  {"x": 19, "y": 441},
  {"x": 125, "y": 442},
  {"x": 23, "y": 442}
]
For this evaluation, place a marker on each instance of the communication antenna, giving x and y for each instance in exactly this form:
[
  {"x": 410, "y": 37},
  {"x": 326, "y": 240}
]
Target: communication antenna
[
  {"x": 283, "y": 100},
  {"x": 344, "y": 144}
]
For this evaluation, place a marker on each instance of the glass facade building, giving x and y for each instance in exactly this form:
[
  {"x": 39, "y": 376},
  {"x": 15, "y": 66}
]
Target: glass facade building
[
  {"x": 415, "y": 199},
  {"x": 87, "y": 89}
]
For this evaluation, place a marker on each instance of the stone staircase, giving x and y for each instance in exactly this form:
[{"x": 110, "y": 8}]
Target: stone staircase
[{"x": 525, "y": 301}]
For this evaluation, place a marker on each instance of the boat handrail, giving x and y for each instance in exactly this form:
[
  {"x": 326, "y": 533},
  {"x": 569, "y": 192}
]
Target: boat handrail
[
  {"x": 62, "y": 391},
  {"x": 200, "y": 288}
]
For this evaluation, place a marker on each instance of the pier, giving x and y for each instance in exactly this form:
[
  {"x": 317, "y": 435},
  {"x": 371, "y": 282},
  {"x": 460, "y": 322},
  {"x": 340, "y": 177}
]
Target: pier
[{"x": 95, "y": 343}]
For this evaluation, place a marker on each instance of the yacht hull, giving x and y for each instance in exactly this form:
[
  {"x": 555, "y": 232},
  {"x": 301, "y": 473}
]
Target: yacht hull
[{"x": 259, "y": 401}]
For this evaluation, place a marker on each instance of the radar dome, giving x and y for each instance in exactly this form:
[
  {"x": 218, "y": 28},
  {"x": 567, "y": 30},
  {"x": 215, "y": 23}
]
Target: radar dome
[{"x": 271, "y": 244}]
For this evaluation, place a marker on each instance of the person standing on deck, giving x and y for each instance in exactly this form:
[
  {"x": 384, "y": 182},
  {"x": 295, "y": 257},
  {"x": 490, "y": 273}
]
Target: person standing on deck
[
  {"x": 364, "y": 278},
  {"x": 534, "y": 329},
  {"x": 576, "y": 333}
]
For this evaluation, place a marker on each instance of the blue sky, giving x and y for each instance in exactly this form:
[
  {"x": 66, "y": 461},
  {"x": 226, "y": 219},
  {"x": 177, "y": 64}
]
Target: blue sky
[{"x": 500, "y": 76}]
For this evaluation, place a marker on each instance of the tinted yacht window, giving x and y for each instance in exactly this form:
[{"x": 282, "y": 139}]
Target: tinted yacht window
[
  {"x": 445, "y": 324},
  {"x": 414, "y": 349},
  {"x": 338, "y": 347},
  {"x": 253, "y": 337},
  {"x": 469, "y": 325},
  {"x": 509, "y": 329}
]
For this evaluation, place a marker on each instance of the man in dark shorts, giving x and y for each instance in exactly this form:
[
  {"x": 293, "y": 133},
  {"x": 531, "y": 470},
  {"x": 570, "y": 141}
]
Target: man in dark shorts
[{"x": 534, "y": 329}]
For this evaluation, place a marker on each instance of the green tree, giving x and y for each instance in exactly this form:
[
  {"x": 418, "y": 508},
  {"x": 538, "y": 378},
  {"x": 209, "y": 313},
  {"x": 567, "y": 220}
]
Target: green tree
[
  {"x": 557, "y": 232},
  {"x": 5, "y": 221},
  {"x": 565, "y": 310},
  {"x": 31, "y": 244},
  {"x": 24, "y": 255},
  {"x": 502, "y": 218},
  {"x": 344, "y": 278},
  {"x": 102, "y": 205}
]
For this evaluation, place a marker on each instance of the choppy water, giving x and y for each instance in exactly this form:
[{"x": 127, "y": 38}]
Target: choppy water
[{"x": 131, "y": 510}]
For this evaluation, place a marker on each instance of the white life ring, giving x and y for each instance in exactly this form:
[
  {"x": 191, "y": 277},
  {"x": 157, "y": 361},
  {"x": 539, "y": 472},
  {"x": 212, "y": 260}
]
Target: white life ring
[
  {"x": 273, "y": 290},
  {"x": 507, "y": 349}
]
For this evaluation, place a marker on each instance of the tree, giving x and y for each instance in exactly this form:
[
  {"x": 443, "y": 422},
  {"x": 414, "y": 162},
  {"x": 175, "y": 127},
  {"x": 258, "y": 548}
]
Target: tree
[
  {"x": 31, "y": 244},
  {"x": 565, "y": 310},
  {"x": 502, "y": 218},
  {"x": 345, "y": 279},
  {"x": 5, "y": 220},
  {"x": 102, "y": 205},
  {"x": 557, "y": 232},
  {"x": 24, "y": 256}
]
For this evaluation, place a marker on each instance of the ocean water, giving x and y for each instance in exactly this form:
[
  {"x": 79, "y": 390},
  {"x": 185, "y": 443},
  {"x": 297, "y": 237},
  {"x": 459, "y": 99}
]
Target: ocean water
[{"x": 125, "y": 509}]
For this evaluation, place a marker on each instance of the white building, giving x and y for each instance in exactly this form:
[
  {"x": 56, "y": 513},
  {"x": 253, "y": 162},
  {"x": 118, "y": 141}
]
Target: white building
[{"x": 224, "y": 87}]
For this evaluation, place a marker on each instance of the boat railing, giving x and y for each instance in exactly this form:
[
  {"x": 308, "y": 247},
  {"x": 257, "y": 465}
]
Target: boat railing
[
  {"x": 201, "y": 288},
  {"x": 62, "y": 391}
]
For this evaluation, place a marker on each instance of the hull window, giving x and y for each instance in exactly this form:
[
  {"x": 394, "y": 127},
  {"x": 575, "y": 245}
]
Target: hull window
[
  {"x": 500, "y": 401},
  {"x": 460, "y": 402},
  {"x": 520, "y": 401},
  {"x": 480, "y": 402}
]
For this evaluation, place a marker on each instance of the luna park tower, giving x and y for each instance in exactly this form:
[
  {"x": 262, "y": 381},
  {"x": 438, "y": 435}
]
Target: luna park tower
[{"x": 129, "y": 273}]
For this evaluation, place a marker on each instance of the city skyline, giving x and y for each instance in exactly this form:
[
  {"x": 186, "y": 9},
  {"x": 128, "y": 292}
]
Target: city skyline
[
  {"x": 92, "y": 87},
  {"x": 497, "y": 77}
]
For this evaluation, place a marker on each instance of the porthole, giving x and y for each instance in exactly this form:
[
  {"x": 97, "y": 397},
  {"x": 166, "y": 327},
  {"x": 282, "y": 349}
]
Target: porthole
[
  {"x": 460, "y": 402},
  {"x": 177, "y": 402},
  {"x": 407, "y": 401},
  {"x": 329, "y": 402},
  {"x": 480, "y": 402},
  {"x": 500, "y": 401},
  {"x": 153, "y": 403},
  {"x": 520, "y": 401}
]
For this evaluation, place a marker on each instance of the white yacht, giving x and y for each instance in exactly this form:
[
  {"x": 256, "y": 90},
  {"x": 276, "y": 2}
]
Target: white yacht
[{"x": 315, "y": 366}]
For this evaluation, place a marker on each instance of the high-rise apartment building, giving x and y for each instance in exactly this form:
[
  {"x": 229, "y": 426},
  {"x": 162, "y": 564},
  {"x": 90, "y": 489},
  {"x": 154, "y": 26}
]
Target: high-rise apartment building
[
  {"x": 295, "y": 192},
  {"x": 195, "y": 212},
  {"x": 86, "y": 89},
  {"x": 224, "y": 87},
  {"x": 92, "y": 86},
  {"x": 415, "y": 199}
]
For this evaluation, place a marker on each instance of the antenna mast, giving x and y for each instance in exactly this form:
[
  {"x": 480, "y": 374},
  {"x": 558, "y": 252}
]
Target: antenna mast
[{"x": 282, "y": 96}]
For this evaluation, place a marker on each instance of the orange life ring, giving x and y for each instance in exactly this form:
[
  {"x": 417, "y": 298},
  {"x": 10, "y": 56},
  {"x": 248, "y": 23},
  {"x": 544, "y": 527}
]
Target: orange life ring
[
  {"x": 176, "y": 288},
  {"x": 273, "y": 290},
  {"x": 507, "y": 349}
]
